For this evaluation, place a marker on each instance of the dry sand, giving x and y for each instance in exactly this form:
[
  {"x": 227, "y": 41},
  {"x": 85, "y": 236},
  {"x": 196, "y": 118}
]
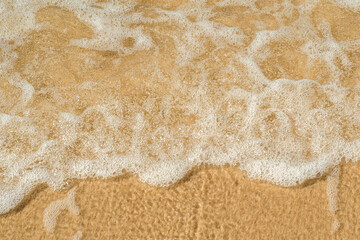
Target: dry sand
[{"x": 210, "y": 202}]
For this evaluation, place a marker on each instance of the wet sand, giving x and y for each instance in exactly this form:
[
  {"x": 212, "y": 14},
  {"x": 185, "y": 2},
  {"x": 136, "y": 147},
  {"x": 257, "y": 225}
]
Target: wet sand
[{"x": 209, "y": 203}]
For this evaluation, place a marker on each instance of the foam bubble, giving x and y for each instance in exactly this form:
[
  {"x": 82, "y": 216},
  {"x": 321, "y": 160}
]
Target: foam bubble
[
  {"x": 332, "y": 191},
  {"x": 352, "y": 5},
  {"x": 158, "y": 90},
  {"x": 54, "y": 209},
  {"x": 78, "y": 235}
]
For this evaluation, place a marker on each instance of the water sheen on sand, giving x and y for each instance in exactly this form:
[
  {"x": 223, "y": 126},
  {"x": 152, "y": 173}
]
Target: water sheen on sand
[{"x": 89, "y": 89}]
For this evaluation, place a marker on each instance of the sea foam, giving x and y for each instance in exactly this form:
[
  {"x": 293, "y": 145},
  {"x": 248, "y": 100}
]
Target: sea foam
[{"x": 90, "y": 89}]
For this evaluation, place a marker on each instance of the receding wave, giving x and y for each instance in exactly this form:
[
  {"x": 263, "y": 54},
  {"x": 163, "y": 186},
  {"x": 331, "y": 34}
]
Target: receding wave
[{"x": 97, "y": 88}]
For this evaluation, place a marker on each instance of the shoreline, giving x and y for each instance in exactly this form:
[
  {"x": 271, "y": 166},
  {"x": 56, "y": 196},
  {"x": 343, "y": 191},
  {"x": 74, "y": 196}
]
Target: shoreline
[
  {"x": 209, "y": 202},
  {"x": 158, "y": 87}
]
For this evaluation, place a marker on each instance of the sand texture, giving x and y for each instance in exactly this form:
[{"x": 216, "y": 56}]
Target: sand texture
[
  {"x": 228, "y": 128},
  {"x": 210, "y": 203}
]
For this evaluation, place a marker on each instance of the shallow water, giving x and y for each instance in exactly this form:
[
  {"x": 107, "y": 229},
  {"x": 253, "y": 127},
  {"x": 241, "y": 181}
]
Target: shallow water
[{"x": 93, "y": 89}]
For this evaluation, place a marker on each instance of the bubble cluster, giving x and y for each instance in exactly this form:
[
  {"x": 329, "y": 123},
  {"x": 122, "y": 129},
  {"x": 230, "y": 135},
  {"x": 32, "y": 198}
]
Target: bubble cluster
[
  {"x": 55, "y": 208},
  {"x": 93, "y": 89}
]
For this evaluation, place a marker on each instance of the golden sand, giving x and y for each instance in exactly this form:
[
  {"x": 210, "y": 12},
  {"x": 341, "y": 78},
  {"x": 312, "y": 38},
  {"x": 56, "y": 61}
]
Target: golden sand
[{"x": 209, "y": 202}]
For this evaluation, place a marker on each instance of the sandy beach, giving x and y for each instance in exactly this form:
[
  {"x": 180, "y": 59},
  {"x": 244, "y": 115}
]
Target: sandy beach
[
  {"x": 94, "y": 97},
  {"x": 209, "y": 203}
]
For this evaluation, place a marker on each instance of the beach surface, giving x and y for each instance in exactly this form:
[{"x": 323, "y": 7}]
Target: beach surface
[
  {"x": 180, "y": 120},
  {"x": 209, "y": 203}
]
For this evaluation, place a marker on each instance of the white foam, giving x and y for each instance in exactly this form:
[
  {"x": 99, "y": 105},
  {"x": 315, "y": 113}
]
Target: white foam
[
  {"x": 352, "y": 5},
  {"x": 54, "y": 209},
  {"x": 11, "y": 196},
  {"x": 78, "y": 235},
  {"x": 279, "y": 130},
  {"x": 332, "y": 191},
  {"x": 247, "y": 3}
]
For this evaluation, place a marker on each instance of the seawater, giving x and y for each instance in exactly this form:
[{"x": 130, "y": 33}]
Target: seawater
[{"x": 96, "y": 88}]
